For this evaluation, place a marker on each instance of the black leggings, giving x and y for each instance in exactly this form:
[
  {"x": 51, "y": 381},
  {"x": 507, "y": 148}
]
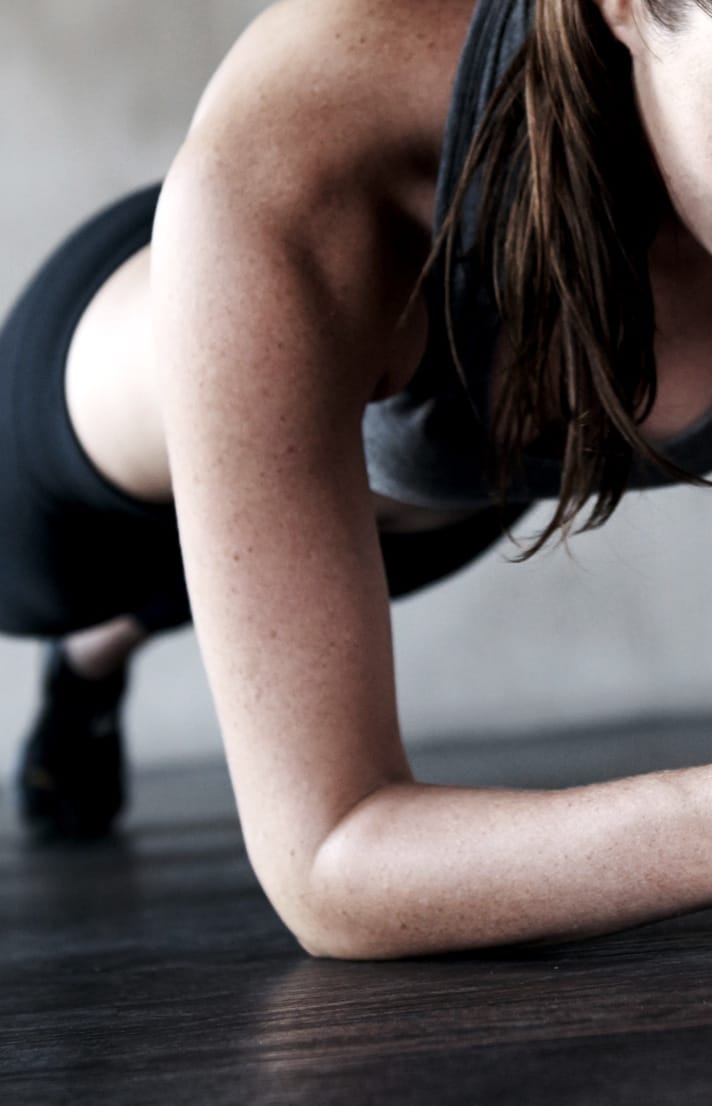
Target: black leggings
[{"x": 75, "y": 550}]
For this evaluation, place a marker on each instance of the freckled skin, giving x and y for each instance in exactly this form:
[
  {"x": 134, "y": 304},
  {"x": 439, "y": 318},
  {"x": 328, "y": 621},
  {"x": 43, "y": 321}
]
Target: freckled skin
[
  {"x": 275, "y": 288},
  {"x": 395, "y": 84}
]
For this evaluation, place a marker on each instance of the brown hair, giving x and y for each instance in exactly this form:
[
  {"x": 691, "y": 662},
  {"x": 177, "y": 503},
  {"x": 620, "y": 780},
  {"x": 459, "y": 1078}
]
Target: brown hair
[{"x": 571, "y": 201}]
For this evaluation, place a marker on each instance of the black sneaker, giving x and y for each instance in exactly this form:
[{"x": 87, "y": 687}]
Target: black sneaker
[{"x": 71, "y": 778}]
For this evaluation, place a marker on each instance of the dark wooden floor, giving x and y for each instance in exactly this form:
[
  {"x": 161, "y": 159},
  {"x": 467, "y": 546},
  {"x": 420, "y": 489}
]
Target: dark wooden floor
[{"x": 149, "y": 969}]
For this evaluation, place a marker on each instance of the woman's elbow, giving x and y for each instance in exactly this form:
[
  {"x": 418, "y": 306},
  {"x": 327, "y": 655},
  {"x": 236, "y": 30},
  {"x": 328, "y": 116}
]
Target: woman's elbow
[
  {"x": 343, "y": 943},
  {"x": 329, "y": 932},
  {"x": 345, "y": 915}
]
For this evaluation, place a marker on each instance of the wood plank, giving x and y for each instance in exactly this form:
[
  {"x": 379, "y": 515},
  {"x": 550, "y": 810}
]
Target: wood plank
[{"x": 149, "y": 968}]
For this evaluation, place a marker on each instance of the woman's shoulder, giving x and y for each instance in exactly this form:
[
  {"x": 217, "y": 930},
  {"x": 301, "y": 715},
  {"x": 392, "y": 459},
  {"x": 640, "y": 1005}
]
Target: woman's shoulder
[{"x": 366, "y": 83}]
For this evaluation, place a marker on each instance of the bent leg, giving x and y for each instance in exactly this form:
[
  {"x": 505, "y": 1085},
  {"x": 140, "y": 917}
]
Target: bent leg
[{"x": 78, "y": 556}]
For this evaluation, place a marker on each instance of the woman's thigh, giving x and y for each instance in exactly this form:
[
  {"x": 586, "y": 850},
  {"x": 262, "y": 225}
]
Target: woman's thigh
[{"x": 75, "y": 549}]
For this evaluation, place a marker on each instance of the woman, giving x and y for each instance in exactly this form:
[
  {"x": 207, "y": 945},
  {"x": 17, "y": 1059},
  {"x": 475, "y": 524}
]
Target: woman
[{"x": 335, "y": 412}]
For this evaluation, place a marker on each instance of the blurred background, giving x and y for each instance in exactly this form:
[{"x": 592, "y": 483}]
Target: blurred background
[{"x": 95, "y": 98}]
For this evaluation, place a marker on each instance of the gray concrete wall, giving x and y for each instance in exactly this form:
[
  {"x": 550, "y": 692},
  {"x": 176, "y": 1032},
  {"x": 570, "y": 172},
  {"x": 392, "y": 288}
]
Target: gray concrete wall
[{"x": 95, "y": 96}]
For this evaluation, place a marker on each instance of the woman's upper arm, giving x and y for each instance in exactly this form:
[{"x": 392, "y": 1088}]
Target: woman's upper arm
[{"x": 271, "y": 333}]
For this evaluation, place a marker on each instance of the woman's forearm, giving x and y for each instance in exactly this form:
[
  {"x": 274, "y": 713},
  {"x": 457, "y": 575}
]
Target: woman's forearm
[{"x": 419, "y": 869}]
